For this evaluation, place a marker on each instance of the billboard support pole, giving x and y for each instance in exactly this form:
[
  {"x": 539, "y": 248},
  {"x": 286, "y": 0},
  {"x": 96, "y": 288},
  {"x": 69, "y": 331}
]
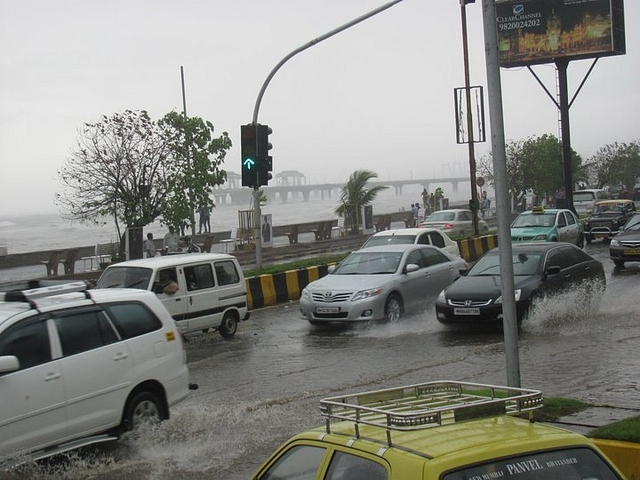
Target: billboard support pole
[{"x": 563, "y": 93}]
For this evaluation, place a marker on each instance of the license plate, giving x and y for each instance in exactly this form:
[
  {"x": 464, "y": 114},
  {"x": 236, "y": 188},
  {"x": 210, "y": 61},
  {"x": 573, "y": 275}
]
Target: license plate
[
  {"x": 466, "y": 311},
  {"x": 632, "y": 251},
  {"x": 327, "y": 309}
]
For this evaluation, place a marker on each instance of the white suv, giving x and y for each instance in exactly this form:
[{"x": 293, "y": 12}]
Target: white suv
[{"x": 80, "y": 366}]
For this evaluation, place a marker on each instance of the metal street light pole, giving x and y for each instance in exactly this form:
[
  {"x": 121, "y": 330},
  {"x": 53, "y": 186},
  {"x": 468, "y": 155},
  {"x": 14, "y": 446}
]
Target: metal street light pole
[
  {"x": 256, "y": 109},
  {"x": 473, "y": 204}
]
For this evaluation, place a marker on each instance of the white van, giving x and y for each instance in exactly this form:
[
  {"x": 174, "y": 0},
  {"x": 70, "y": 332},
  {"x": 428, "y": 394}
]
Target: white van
[
  {"x": 583, "y": 200},
  {"x": 201, "y": 291}
]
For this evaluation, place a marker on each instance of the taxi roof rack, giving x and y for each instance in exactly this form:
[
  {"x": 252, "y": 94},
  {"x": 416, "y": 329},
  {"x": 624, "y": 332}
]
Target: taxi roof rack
[
  {"x": 426, "y": 405},
  {"x": 29, "y": 295}
]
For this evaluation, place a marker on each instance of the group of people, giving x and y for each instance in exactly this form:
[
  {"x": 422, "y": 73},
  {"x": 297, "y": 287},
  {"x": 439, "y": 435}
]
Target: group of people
[
  {"x": 170, "y": 244},
  {"x": 415, "y": 212}
]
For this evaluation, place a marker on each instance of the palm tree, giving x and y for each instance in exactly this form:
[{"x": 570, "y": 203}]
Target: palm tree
[{"x": 355, "y": 195}]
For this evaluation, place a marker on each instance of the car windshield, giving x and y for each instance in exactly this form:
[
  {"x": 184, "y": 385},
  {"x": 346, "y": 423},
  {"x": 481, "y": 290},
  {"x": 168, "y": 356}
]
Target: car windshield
[
  {"x": 378, "y": 241},
  {"x": 608, "y": 208},
  {"x": 524, "y": 263},
  {"x": 441, "y": 217},
  {"x": 125, "y": 277},
  {"x": 534, "y": 220},
  {"x": 633, "y": 223},
  {"x": 366, "y": 263},
  {"x": 551, "y": 464}
]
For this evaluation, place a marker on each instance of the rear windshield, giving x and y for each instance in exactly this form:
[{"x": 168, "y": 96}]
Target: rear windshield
[
  {"x": 566, "y": 464},
  {"x": 583, "y": 196},
  {"x": 377, "y": 241}
]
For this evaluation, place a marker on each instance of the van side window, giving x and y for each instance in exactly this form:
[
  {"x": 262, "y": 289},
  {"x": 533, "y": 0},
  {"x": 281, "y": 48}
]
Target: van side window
[
  {"x": 133, "y": 319},
  {"x": 83, "y": 330},
  {"x": 29, "y": 341},
  {"x": 226, "y": 272},
  {"x": 198, "y": 277}
]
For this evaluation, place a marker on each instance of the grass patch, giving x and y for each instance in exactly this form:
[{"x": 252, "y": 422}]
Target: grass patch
[
  {"x": 627, "y": 430},
  {"x": 555, "y": 408},
  {"x": 298, "y": 264}
]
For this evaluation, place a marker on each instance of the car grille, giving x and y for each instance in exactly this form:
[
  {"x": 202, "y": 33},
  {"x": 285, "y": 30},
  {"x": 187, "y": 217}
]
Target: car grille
[
  {"x": 329, "y": 297},
  {"x": 469, "y": 303},
  {"x": 522, "y": 238},
  {"x": 600, "y": 224},
  {"x": 630, "y": 243}
]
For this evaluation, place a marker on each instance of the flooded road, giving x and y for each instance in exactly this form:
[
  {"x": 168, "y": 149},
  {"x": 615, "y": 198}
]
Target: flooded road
[{"x": 264, "y": 384}]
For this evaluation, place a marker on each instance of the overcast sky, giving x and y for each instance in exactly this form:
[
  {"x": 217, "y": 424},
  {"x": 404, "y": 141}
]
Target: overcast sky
[{"x": 377, "y": 96}]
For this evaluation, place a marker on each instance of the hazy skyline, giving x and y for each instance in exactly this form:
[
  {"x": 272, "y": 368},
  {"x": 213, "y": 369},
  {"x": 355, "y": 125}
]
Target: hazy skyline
[{"x": 377, "y": 96}]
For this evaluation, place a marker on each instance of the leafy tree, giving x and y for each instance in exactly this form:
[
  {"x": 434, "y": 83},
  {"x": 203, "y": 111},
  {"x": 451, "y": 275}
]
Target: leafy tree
[
  {"x": 614, "y": 164},
  {"x": 533, "y": 164},
  {"x": 355, "y": 195},
  {"x": 134, "y": 170},
  {"x": 191, "y": 171}
]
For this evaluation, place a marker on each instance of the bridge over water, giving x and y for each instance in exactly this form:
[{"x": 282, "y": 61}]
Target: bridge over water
[{"x": 231, "y": 193}]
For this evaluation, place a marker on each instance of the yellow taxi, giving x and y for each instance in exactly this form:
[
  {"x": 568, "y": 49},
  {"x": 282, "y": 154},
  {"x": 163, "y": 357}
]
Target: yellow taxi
[{"x": 445, "y": 430}]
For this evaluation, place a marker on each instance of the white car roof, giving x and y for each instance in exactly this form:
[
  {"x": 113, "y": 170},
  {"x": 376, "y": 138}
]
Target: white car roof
[
  {"x": 57, "y": 297},
  {"x": 173, "y": 260},
  {"x": 406, "y": 231}
]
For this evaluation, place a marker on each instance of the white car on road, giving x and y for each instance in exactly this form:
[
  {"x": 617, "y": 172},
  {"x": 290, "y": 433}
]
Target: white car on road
[{"x": 81, "y": 367}]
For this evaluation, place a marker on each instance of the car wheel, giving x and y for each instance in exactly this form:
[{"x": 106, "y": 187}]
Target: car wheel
[
  {"x": 393, "y": 308},
  {"x": 618, "y": 263},
  {"x": 143, "y": 409},
  {"x": 229, "y": 325},
  {"x": 580, "y": 242}
]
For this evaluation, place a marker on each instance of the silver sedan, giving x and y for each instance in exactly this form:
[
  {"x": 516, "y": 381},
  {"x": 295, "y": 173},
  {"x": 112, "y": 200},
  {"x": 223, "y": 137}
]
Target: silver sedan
[{"x": 380, "y": 283}]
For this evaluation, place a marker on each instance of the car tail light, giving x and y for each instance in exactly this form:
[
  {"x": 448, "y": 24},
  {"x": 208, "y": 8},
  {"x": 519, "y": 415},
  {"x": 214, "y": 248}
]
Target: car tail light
[{"x": 448, "y": 226}]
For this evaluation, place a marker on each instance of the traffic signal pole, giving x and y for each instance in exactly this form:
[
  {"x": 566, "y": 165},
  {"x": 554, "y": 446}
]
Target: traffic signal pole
[{"x": 256, "y": 109}]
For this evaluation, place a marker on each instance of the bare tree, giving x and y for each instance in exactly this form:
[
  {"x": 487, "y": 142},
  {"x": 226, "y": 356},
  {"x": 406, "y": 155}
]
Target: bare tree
[{"x": 116, "y": 171}]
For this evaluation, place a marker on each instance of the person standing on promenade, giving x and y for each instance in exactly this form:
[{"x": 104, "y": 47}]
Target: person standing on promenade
[
  {"x": 171, "y": 241},
  {"x": 205, "y": 219},
  {"x": 149, "y": 246}
]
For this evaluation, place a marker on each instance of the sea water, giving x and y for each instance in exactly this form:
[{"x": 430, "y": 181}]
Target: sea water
[{"x": 49, "y": 231}]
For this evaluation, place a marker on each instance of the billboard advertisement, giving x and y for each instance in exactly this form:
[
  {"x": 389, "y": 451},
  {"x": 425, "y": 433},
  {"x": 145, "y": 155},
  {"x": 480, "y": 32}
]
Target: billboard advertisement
[{"x": 543, "y": 31}]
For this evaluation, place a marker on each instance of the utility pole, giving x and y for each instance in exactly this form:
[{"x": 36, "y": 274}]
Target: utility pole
[
  {"x": 503, "y": 210},
  {"x": 473, "y": 203}
]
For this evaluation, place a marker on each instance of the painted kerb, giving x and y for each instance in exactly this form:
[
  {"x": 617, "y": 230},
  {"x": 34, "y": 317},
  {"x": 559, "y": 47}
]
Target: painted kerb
[{"x": 272, "y": 289}]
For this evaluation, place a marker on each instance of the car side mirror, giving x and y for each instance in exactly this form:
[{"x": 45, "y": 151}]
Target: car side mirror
[
  {"x": 411, "y": 267},
  {"x": 463, "y": 272},
  {"x": 552, "y": 270},
  {"x": 9, "y": 363}
]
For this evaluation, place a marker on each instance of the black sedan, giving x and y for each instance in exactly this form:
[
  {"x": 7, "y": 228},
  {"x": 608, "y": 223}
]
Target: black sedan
[
  {"x": 540, "y": 269},
  {"x": 625, "y": 247}
]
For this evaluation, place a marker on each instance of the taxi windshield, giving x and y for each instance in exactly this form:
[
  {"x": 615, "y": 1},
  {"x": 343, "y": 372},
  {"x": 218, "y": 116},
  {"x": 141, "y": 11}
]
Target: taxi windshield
[
  {"x": 555, "y": 464},
  {"x": 546, "y": 219}
]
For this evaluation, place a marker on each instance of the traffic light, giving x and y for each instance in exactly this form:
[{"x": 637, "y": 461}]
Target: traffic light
[
  {"x": 250, "y": 162},
  {"x": 265, "y": 161}
]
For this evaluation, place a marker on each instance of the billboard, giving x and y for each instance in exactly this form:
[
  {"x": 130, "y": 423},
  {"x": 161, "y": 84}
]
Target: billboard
[{"x": 543, "y": 31}]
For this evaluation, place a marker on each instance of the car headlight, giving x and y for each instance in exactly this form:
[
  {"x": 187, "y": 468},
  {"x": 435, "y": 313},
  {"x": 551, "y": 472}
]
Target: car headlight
[
  {"x": 305, "y": 294},
  {"x": 517, "y": 293},
  {"x": 368, "y": 293},
  {"x": 442, "y": 298},
  {"x": 540, "y": 237},
  {"x": 614, "y": 242}
]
